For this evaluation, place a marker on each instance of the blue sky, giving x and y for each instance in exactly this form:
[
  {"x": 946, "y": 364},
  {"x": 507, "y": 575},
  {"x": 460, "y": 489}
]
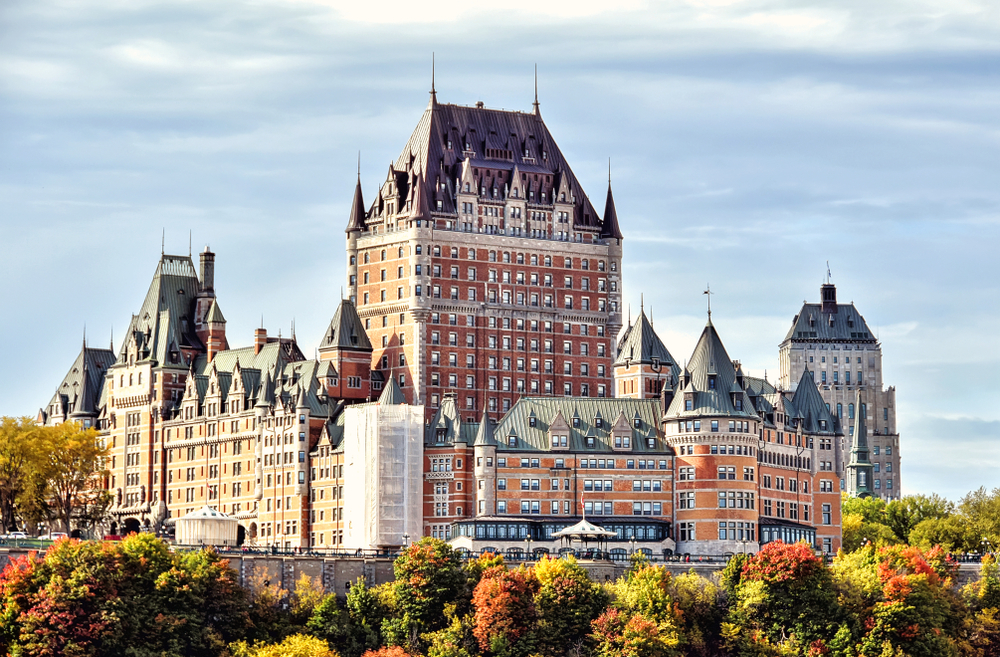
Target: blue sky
[{"x": 751, "y": 141}]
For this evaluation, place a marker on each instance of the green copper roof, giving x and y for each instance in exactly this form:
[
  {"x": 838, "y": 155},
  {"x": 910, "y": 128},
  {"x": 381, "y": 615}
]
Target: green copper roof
[
  {"x": 709, "y": 378},
  {"x": 641, "y": 345},
  {"x": 391, "y": 393},
  {"x": 214, "y": 315}
]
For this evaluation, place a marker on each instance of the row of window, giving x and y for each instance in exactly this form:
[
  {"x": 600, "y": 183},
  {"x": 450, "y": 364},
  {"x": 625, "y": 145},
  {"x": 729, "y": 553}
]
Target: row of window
[{"x": 492, "y": 256}]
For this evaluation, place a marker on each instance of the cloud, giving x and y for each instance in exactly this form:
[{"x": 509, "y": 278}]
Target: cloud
[{"x": 752, "y": 140}]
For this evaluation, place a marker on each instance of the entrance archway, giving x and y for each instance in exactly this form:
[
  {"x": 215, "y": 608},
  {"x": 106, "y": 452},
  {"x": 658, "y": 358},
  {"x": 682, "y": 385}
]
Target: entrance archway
[
  {"x": 241, "y": 535},
  {"x": 130, "y": 526}
]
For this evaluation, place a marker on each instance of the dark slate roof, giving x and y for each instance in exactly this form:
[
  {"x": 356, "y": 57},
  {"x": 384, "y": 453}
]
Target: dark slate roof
[
  {"x": 641, "y": 344},
  {"x": 609, "y": 228},
  {"x": 845, "y": 325},
  {"x": 165, "y": 321},
  {"x": 81, "y": 391},
  {"x": 498, "y": 140},
  {"x": 346, "y": 331},
  {"x": 356, "y": 220},
  {"x": 588, "y": 409},
  {"x": 710, "y": 359},
  {"x": 807, "y": 405}
]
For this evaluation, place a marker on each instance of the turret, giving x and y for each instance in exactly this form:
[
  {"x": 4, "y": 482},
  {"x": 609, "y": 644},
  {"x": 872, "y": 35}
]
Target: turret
[{"x": 485, "y": 449}]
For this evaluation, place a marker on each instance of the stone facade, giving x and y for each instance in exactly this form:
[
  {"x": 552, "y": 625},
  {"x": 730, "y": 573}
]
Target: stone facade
[{"x": 833, "y": 340}]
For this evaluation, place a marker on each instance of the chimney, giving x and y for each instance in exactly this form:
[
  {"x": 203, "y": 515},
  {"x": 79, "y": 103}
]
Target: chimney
[
  {"x": 828, "y": 292},
  {"x": 259, "y": 339},
  {"x": 207, "y": 271}
]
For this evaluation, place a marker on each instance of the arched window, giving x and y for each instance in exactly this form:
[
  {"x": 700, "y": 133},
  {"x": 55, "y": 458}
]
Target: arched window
[
  {"x": 850, "y": 411},
  {"x": 840, "y": 411}
]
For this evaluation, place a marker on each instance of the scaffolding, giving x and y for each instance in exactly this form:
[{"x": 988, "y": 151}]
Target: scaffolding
[{"x": 383, "y": 475}]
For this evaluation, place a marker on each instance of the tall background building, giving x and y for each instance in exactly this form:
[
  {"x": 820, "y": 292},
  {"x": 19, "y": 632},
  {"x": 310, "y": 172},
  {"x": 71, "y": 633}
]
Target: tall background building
[
  {"x": 482, "y": 268},
  {"x": 834, "y": 341}
]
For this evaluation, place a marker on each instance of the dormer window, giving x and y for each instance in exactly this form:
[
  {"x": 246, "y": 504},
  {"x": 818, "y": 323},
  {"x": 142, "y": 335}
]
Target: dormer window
[
  {"x": 532, "y": 421},
  {"x": 689, "y": 404},
  {"x": 637, "y": 422},
  {"x": 439, "y": 435},
  {"x": 590, "y": 442},
  {"x": 738, "y": 404},
  {"x": 576, "y": 423},
  {"x": 711, "y": 382},
  {"x": 598, "y": 422},
  {"x": 512, "y": 440}
]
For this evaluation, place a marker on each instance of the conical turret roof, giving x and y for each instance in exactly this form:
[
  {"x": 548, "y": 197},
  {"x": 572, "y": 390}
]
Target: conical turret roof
[
  {"x": 609, "y": 228},
  {"x": 391, "y": 393},
  {"x": 356, "y": 220},
  {"x": 484, "y": 435}
]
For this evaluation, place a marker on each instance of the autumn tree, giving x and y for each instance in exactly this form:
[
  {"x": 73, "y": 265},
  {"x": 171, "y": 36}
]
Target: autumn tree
[
  {"x": 505, "y": 613},
  {"x": 296, "y": 645},
  {"x": 785, "y": 598},
  {"x": 641, "y": 620},
  {"x": 133, "y": 597},
  {"x": 429, "y": 575}
]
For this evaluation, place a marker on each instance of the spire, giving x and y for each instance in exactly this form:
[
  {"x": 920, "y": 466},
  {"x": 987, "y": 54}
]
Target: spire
[
  {"x": 356, "y": 220},
  {"x": 421, "y": 208},
  {"x": 434, "y": 98},
  {"x": 860, "y": 470},
  {"x": 708, "y": 292},
  {"x": 84, "y": 335},
  {"x": 609, "y": 228},
  {"x": 484, "y": 436},
  {"x": 391, "y": 394},
  {"x": 163, "y": 242},
  {"x": 535, "y": 109},
  {"x": 112, "y": 346}
]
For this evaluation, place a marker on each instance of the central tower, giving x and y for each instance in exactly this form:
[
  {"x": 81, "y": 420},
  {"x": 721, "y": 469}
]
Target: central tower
[{"x": 481, "y": 269}]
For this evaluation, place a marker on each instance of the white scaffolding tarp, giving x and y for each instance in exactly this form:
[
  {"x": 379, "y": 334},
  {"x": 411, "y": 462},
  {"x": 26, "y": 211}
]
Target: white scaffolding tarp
[{"x": 383, "y": 475}]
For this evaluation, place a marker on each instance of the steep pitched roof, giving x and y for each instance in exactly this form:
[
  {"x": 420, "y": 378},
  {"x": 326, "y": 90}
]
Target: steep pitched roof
[
  {"x": 165, "y": 321},
  {"x": 391, "y": 393},
  {"x": 214, "y": 315},
  {"x": 346, "y": 331},
  {"x": 808, "y": 406},
  {"x": 813, "y": 324},
  {"x": 356, "y": 220},
  {"x": 609, "y": 227},
  {"x": 710, "y": 376},
  {"x": 484, "y": 435},
  {"x": 448, "y": 136},
  {"x": 80, "y": 393},
  {"x": 641, "y": 345}
]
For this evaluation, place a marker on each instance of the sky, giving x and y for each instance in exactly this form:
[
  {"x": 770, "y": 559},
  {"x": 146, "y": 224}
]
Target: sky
[{"x": 751, "y": 142}]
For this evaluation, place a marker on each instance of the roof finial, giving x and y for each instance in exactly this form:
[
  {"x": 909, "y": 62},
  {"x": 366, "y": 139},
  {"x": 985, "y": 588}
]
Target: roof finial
[
  {"x": 708, "y": 292},
  {"x": 293, "y": 329},
  {"x": 189, "y": 242},
  {"x": 535, "y": 104},
  {"x": 163, "y": 242},
  {"x": 85, "y": 335},
  {"x": 359, "y": 166},
  {"x": 642, "y": 304},
  {"x": 609, "y": 172},
  {"x": 433, "y": 100},
  {"x": 112, "y": 337}
]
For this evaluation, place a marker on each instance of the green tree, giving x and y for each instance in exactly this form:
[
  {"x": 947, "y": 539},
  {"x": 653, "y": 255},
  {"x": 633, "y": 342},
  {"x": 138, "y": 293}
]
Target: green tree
[
  {"x": 429, "y": 575},
  {"x": 904, "y": 514},
  {"x": 21, "y": 459},
  {"x": 950, "y": 533},
  {"x": 73, "y": 460},
  {"x": 856, "y": 532},
  {"x": 980, "y": 513},
  {"x": 567, "y": 603},
  {"x": 355, "y": 627}
]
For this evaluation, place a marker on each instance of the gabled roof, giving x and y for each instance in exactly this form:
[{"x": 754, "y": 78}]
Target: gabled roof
[
  {"x": 448, "y": 421},
  {"x": 641, "y": 345},
  {"x": 346, "y": 331},
  {"x": 710, "y": 361}
]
